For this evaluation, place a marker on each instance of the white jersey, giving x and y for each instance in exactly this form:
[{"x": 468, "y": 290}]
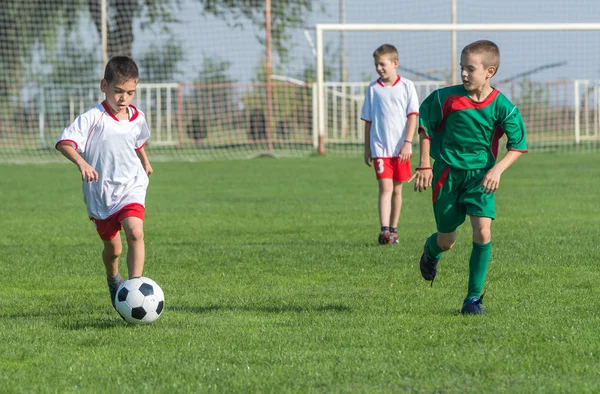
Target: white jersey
[
  {"x": 108, "y": 145},
  {"x": 387, "y": 108}
]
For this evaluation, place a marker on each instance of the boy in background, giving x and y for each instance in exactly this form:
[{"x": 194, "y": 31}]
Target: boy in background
[
  {"x": 460, "y": 128},
  {"x": 390, "y": 112},
  {"x": 107, "y": 145}
]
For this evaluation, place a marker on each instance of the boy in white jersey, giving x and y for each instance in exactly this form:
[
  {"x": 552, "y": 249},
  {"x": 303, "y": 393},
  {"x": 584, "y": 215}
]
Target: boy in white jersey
[
  {"x": 107, "y": 145},
  {"x": 390, "y": 112}
]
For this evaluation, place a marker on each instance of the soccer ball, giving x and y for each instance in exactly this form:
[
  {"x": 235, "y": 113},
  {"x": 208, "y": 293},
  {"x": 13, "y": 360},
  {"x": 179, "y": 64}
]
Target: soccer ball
[{"x": 140, "y": 300}]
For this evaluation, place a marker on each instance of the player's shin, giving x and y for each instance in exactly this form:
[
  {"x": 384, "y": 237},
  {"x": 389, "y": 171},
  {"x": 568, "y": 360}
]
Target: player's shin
[
  {"x": 478, "y": 265},
  {"x": 433, "y": 250}
]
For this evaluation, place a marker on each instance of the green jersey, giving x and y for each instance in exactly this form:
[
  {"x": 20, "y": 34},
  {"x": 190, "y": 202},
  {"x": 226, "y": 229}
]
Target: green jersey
[{"x": 464, "y": 133}]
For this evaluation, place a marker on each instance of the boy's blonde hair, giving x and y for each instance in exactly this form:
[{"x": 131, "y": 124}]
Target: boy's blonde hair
[
  {"x": 489, "y": 50},
  {"x": 121, "y": 68},
  {"x": 386, "y": 50}
]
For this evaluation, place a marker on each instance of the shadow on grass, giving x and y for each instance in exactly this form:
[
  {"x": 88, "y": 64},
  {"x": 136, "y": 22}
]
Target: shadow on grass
[
  {"x": 85, "y": 324},
  {"x": 335, "y": 308}
]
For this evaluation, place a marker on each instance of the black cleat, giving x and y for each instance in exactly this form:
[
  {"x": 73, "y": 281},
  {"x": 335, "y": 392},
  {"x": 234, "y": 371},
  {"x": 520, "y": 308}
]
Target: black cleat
[
  {"x": 385, "y": 238},
  {"x": 473, "y": 307},
  {"x": 428, "y": 265}
]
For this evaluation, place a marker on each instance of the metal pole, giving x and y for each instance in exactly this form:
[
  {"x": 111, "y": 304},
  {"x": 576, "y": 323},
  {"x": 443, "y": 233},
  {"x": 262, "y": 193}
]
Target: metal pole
[
  {"x": 343, "y": 75},
  {"x": 269, "y": 71},
  {"x": 453, "y": 56},
  {"x": 320, "y": 92},
  {"x": 104, "y": 32}
]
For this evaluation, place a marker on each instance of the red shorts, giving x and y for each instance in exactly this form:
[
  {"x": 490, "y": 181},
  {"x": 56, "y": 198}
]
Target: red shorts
[
  {"x": 392, "y": 167},
  {"x": 110, "y": 227}
]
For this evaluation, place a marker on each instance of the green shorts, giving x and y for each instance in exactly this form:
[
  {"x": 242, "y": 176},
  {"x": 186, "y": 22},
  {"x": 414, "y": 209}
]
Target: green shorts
[{"x": 456, "y": 194}]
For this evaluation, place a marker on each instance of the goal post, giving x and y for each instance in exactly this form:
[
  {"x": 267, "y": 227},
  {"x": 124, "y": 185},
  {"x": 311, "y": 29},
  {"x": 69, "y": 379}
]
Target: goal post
[{"x": 569, "y": 90}]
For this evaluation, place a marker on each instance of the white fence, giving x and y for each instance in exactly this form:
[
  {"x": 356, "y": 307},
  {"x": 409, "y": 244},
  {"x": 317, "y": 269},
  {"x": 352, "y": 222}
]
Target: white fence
[
  {"x": 204, "y": 121},
  {"x": 555, "y": 113}
]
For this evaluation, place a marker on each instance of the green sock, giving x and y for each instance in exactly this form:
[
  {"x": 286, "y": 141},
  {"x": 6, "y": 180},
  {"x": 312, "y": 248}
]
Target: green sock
[
  {"x": 433, "y": 250},
  {"x": 478, "y": 265}
]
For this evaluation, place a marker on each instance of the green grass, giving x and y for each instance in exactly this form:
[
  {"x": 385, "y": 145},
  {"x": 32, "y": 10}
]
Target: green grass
[{"x": 274, "y": 283}]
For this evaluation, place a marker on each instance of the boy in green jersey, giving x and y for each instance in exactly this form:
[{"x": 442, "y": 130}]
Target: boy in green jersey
[{"x": 460, "y": 128}]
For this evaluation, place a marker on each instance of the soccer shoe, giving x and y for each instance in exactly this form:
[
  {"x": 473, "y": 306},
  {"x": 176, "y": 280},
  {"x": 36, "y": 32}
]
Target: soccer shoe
[
  {"x": 428, "y": 265},
  {"x": 113, "y": 291},
  {"x": 394, "y": 238},
  {"x": 473, "y": 307},
  {"x": 385, "y": 238}
]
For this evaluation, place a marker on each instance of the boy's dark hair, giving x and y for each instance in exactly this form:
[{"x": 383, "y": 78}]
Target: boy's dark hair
[
  {"x": 489, "y": 50},
  {"x": 388, "y": 50},
  {"x": 121, "y": 68}
]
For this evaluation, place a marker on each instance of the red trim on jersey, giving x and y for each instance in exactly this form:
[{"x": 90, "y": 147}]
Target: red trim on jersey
[
  {"x": 133, "y": 117},
  {"x": 108, "y": 111},
  {"x": 519, "y": 150},
  {"x": 458, "y": 103},
  {"x": 412, "y": 113},
  {"x": 71, "y": 141},
  {"x": 496, "y": 141},
  {"x": 379, "y": 81},
  {"x": 439, "y": 184},
  {"x": 135, "y": 113},
  {"x": 368, "y": 121},
  {"x": 140, "y": 146}
]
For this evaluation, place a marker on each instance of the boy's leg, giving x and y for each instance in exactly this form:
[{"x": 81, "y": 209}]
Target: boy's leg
[
  {"x": 386, "y": 187},
  {"x": 480, "y": 255},
  {"x": 136, "y": 254},
  {"x": 432, "y": 252},
  {"x": 110, "y": 257},
  {"x": 395, "y": 210}
]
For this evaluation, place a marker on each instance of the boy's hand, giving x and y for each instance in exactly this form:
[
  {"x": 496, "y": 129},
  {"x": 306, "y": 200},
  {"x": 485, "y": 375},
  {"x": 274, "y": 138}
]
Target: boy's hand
[
  {"x": 147, "y": 168},
  {"x": 368, "y": 158},
  {"x": 491, "y": 181},
  {"x": 404, "y": 152},
  {"x": 423, "y": 179},
  {"x": 88, "y": 173}
]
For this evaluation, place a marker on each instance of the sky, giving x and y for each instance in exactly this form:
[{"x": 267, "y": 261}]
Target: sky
[{"x": 558, "y": 55}]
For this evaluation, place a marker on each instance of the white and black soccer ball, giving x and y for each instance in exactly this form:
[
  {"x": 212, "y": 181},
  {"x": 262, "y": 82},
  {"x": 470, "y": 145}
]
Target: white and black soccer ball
[{"x": 140, "y": 300}]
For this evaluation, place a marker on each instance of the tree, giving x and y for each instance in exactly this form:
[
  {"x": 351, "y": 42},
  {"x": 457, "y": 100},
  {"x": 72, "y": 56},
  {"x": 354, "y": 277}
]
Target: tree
[{"x": 285, "y": 15}]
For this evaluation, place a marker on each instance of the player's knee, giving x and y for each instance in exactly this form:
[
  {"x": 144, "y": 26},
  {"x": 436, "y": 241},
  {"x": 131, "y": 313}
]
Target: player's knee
[
  {"x": 112, "y": 252},
  {"x": 135, "y": 234},
  {"x": 446, "y": 245},
  {"x": 482, "y": 235},
  {"x": 446, "y": 241}
]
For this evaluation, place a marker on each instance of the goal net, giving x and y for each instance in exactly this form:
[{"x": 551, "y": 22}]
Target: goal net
[
  {"x": 219, "y": 82},
  {"x": 550, "y": 71}
]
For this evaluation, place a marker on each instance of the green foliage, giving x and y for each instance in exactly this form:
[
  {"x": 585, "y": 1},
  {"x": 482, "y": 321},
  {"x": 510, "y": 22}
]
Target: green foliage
[
  {"x": 161, "y": 62},
  {"x": 285, "y": 15},
  {"x": 274, "y": 283}
]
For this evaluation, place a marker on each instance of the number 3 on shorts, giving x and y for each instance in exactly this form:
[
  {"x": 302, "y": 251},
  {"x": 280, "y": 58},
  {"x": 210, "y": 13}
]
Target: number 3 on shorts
[{"x": 379, "y": 165}]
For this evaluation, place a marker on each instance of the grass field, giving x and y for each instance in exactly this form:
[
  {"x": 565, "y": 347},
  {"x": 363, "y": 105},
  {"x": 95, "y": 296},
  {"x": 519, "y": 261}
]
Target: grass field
[{"x": 274, "y": 283}]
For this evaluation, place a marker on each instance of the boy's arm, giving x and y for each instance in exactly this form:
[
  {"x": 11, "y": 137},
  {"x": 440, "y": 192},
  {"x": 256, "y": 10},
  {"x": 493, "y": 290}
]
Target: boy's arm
[
  {"x": 141, "y": 154},
  {"x": 87, "y": 171},
  {"x": 491, "y": 181},
  {"x": 411, "y": 126},
  {"x": 368, "y": 157},
  {"x": 423, "y": 173}
]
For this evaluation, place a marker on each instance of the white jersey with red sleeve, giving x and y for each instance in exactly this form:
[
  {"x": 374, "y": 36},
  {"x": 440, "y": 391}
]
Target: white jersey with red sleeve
[
  {"x": 109, "y": 145},
  {"x": 387, "y": 109}
]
